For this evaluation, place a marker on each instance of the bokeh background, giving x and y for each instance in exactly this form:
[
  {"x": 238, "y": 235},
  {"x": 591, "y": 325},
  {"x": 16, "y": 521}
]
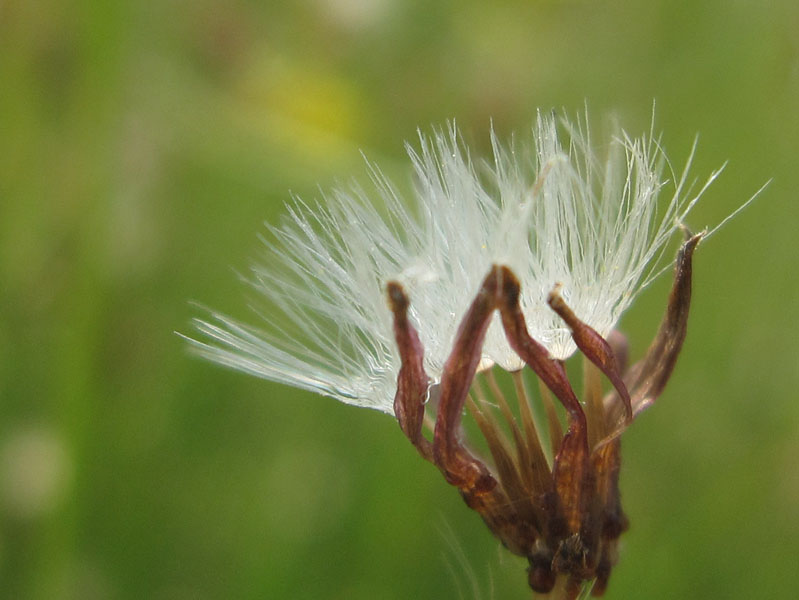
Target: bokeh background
[{"x": 142, "y": 146}]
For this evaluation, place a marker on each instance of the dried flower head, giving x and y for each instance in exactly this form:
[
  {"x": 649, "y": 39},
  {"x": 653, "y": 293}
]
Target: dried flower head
[{"x": 520, "y": 261}]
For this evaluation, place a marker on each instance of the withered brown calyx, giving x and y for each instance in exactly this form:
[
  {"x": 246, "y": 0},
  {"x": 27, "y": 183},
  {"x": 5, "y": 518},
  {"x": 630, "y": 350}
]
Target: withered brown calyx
[{"x": 564, "y": 517}]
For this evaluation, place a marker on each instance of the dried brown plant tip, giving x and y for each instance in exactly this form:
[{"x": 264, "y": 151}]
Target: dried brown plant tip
[
  {"x": 547, "y": 211},
  {"x": 565, "y": 518}
]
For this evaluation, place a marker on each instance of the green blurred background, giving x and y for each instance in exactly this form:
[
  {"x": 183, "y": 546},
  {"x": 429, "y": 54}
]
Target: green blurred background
[{"x": 142, "y": 145}]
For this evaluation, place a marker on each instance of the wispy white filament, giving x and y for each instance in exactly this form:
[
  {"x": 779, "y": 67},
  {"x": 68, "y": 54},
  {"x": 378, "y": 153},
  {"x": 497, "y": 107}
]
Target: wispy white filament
[{"x": 554, "y": 212}]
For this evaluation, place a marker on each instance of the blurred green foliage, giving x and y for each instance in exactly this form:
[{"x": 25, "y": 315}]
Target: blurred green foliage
[{"x": 142, "y": 144}]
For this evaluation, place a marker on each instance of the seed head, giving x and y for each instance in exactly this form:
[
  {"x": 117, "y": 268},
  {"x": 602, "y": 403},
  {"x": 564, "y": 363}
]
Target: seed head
[{"x": 518, "y": 261}]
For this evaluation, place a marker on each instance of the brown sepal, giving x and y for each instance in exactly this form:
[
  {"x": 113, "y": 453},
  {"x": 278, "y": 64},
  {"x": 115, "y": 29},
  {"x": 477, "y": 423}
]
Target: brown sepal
[
  {"x": 412, "y": 381},
  {"x": 647, "y": 378}
]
